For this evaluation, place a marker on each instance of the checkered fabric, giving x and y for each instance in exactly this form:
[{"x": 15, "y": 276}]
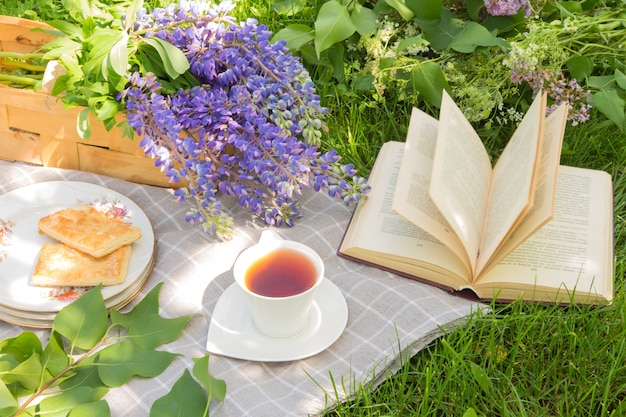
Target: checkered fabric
[{"x": 390, "y": 317}]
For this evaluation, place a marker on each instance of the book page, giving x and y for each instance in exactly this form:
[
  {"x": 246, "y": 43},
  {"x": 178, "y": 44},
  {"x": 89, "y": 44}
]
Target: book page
[
  {"x": 542, "y": 210},
  {"x": 513, "y": 180},
  {"x": 377, "y": 233},
  {"x": 572, "y": 251},
  {"x": 461, "y": 176},
  {"x": 411, "y": 199}
]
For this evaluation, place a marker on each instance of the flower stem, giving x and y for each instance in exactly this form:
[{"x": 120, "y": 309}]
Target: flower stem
[
  {"x": 23, "y": 65},
  {"x": 20, "y": 79}
]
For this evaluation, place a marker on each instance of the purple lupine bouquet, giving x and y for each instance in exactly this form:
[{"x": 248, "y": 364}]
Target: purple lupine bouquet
[{"x": 221, "y": 109}]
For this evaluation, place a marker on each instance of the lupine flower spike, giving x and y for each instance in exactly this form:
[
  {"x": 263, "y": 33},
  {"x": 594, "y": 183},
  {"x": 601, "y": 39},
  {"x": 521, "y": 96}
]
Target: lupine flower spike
[{"x": 250, "y": 130}]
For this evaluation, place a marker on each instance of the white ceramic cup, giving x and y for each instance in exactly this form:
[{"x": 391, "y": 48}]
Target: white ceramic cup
[{"x": 278, "y": 317}]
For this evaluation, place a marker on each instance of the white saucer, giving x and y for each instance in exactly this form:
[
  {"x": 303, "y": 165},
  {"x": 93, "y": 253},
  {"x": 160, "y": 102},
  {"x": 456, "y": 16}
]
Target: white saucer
[{"x": 232, "y": 332}]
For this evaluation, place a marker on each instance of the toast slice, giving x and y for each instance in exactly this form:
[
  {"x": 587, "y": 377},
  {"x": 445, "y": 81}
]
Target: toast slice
[
  {"x": 88, "y": 230},
  {"x": 60, "y": 265}
]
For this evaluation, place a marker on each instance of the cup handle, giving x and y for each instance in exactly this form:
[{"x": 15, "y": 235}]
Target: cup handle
[{"x": 268, "y": 235}]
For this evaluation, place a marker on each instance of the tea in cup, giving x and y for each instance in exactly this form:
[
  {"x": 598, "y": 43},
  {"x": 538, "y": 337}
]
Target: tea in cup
[{"x": 280, "y": 278}]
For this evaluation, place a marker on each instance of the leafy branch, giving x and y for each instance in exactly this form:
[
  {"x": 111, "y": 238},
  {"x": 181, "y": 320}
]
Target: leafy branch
[{"x": 91, "y": 350}]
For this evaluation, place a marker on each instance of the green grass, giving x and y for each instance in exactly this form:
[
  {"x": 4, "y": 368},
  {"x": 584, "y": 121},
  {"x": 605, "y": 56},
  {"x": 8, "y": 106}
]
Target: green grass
[
  {"x": 519, "y": 359},
  {"x": 524, "y": 359},
  {"x": 516, "y": 361}
]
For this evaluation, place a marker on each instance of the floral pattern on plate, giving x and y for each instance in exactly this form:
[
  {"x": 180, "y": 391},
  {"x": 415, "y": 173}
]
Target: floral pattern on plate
[{"x": 6, "y": 234}]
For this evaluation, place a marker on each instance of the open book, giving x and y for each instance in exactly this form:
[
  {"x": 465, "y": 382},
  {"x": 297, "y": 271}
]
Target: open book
[{"x": 527, "y": 227}]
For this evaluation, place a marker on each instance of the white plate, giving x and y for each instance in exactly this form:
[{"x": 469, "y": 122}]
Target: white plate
[
  {"x": 232, "y": 332},
  {"x": 21, "y": 209}
]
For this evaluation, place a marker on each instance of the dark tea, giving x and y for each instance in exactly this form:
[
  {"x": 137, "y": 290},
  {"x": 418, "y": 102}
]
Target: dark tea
[{"x": 281, "y": 273}]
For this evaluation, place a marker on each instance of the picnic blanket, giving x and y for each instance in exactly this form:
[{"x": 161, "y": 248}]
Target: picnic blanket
[{"x": 390, "y": 318}]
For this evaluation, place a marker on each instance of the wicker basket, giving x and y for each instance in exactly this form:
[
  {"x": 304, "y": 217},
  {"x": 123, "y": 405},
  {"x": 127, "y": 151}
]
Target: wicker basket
[{"x": 35, "y": 128}]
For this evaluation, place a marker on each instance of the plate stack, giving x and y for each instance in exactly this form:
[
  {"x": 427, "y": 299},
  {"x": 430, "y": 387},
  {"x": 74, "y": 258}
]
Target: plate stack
[{"x": 20, "y": 242}]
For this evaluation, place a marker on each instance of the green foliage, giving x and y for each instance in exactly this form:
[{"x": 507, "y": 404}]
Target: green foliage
[
  {"x": 85, "y": 330},
  {"x": 188, "y": 397},
  {"x": 88, "y": 353},
  {"x": 99, "y": 49},
  {"x": 383, "y": 47},
  {"x": 609, "y": 98},
  {"x": 350, "y": 22}
]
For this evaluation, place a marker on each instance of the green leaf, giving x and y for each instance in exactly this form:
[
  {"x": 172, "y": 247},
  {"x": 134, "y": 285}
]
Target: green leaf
[
  {"x": 101, "y": 43},
  {"x": 470, "y": 412},
  {"x": 89, "y": 27},
  {"x": 95, "y": 408},
  {"x": 295, "y": 35},
  {"x": 336, "y": 59},
  {"x": 439, "y": 33},
  {"x": 8, "y": 403},
  {"x": 364, "y": 20},
  {"x": 579, "y": 66},
  {"x": 7, "y": 362},
  {"x": 152, "y": 331},
  {"x": 408, "y": 42},
  {"x": 612, "y": 105},
  {"x": 82, "y": 124},
  {"x": 150, "y": 61},
  {"x": 67, "y": 28},
  {"x": 60, "y": 48},
  {"x": 425, "y": 9},
  {"x": 288, "y": 7},
  {"x": 216, "y": 388},
  {"x": 333, "y": 24},
  {"x": 117, "y": 60},
  {"x": 174, "y": 60},
  {"x": 481, "y": 377},
  {"x": 84, "y": 321},
  {"x": 429, "y": 80},
  {"x": 131, "y": 13},
  {"x": 54, "y": 358},
  {"x": 63, "y": 403},
  {"x": 27, "y": 373},
  {"x": 401, "y": 7},
  {"x": 119, "y": 362},
  {"x": 620, "y": 78},
  {"x": 568, "y": 8},
  {"x": 127, "y": 131},
  {"x": 108, "y": 109},
  {"x": 77, "y": 9},
  {"x": 602, "y": 82},
  {"x": 85, "y": 375},
  {"x": 472, "y": 36},
  {"x": 503, "y": 24},
  {"x": 186, "y": 399},
  {"x": 474, "y": 7},
  {"x": 144, "y": 324},
  {"x": 21, "y": 346}
]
